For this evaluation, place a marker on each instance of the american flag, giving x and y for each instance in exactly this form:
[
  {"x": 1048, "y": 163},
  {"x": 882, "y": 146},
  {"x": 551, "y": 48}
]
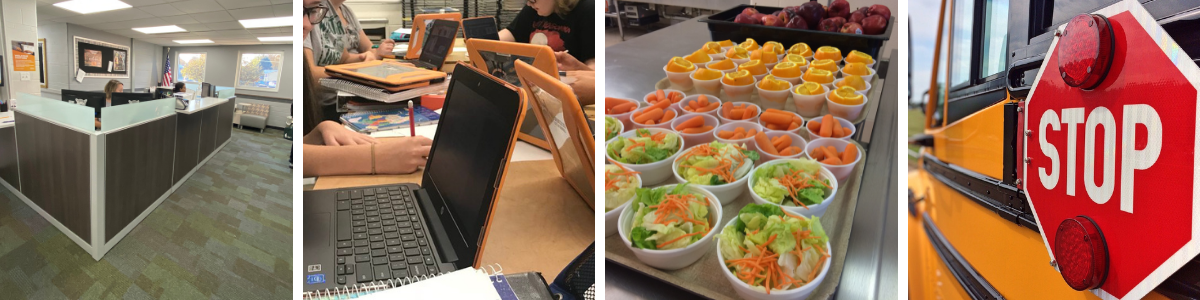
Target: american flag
[{"x": 168, "y": 80}]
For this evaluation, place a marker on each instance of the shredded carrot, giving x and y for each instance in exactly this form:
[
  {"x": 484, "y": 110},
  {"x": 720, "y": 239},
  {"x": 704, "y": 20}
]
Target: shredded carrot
[
  {"x": 763, "y": 269},
  {"x": 727, "y": 167},
  {"x": 677, "y": 239},
  {"x": 612, "y": 178}
]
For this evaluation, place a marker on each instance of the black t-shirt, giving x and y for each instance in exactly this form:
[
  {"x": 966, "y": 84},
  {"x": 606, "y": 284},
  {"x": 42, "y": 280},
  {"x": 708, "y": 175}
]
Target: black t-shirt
[{"x": 575, "y": 34}]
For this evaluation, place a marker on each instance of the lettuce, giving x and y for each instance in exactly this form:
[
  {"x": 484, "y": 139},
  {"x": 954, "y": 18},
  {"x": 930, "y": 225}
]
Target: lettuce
[
  {"x": 728, "y": 243},
  {"x": 647, "y": 151},
  {"x": 612, "y": 128},
  {"x": 651, "y": 235},
  {"x": 625, "y": 189},
  {"x": 764, "y": 227},
  {"x": 723, "y": 152},
  {"x": 768, "y": 187}
]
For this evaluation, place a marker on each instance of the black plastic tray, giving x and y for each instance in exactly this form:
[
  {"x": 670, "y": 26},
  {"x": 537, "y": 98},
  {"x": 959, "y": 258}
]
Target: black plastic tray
[{"x": 722, "y": 27}]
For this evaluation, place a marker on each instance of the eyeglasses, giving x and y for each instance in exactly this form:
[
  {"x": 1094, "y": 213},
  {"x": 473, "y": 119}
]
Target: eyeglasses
[{"x": 315, "y": 14}]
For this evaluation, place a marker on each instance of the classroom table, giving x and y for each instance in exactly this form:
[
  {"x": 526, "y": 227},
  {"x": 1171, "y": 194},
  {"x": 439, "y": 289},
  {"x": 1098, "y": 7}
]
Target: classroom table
[
  {"x": 634, "y": 66},
  {"x": 96, "y": 185},
  {"x": 540, "y": 223}
]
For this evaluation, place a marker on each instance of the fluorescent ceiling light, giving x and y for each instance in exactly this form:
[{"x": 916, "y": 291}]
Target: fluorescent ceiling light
[
  {"x": 91, "y": 6},
  {"x": 160, "y": 29},
  {"x": 274, "y": 39},
  {"x": 268, "y": 22},
  {"x": 204, "y": 41}
]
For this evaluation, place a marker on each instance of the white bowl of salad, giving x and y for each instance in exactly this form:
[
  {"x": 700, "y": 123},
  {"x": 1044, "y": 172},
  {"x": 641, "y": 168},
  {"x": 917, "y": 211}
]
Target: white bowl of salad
[
  {"x": 765, "y": 243},
  {"x": 670, "y": 227},
  {"x": 800, "y": 185},
  {"x": 717, "y": 167},
  {"x": 620, "y": 188},
  {"x": 612, "y": 128},
  {"x": 648, "y": 151}
]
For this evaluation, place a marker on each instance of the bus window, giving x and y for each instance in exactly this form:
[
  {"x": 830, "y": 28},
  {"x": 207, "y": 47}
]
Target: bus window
[
  {"x": 995, "y": 38},
  {"x": 961, "y": 42}
]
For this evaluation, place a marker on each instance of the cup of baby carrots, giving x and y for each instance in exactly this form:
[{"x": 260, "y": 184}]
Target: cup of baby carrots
[
  {"x": 779, "y": 120},
  {"x": 695, "y": 129},
  {"x": 669, "y": 94},
  {"x": 700, "y": 104},
  {"x": 621, "y": 109},
  {"x": 828, "y": 126},
  {"x": 838, "y": 155},
  {"x": 738, "y": 133},
  {"x": 774, "y": 145},
  {"x": 654, "y": 117},
  {"x": 738, "y": 111}
]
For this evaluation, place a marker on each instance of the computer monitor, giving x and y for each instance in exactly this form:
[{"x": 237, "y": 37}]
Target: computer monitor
[
  {"x": 162, "y": 93},
  {"x": 126, "y": 98},
  {"x": 86, "y": 98},
  {"x": 481, "y": 28}
]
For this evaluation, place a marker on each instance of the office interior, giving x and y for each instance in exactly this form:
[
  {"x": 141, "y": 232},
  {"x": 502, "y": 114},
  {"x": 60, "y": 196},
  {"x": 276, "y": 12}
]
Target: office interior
[{"x": 162, "y": 193}]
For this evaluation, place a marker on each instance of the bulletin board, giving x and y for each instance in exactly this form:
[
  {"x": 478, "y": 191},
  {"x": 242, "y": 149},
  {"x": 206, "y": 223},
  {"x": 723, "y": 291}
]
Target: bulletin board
[{"x": 101, "y": 59}]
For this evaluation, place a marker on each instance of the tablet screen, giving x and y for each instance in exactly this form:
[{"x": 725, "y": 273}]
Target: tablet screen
[
  {"x": 481, "y": 28},
  {"x": 384, "y": 70}
]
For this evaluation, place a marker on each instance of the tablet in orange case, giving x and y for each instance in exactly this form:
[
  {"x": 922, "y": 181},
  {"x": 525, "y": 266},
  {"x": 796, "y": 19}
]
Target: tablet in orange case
[
  {"x": 565, "y": 128},
  {"x": 496, "y": 58},
  {"x": 385, "y": 73},
  {"x": 420, "y": 24}
]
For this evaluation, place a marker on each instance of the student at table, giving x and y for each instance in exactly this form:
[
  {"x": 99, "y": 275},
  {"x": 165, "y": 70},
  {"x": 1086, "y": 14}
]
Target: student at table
[
  {"x": 567, "y": 26},
  {"x": 331, "y": 149},
  {"x": 113, "y": 86},
  {"x": 337, "y": 38}
]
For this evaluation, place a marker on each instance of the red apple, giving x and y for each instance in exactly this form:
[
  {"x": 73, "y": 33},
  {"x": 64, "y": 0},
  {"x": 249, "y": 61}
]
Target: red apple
[
  {"x": 749, "y": 11},
  {"x": 796, "y": 22},
  {"x": 881, "y": 10},
  {"x": 771, "y": 20},
  {"x": 851, "y": 27},
  {"x": 839, "y": 8},
  {"x": 813, "y": 12},
  {"x": 874, "y": 24},
  {"x": 832, "y": 24},
  {"x": 746, "y": 19},
  {"x": 856, "y": 17}
]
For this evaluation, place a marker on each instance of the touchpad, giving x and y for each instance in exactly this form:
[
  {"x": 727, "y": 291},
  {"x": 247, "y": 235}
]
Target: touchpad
[{"x": 316, "y": 230}]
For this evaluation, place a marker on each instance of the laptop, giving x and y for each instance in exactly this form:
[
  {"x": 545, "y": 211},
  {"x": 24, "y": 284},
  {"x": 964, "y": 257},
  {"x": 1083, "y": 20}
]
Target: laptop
[
  {"x": 481, "y": 28},
  {"x": 565, "y": 126},
  {"x": 368, "y": 237},
  {"x": 438, "y": 43}
]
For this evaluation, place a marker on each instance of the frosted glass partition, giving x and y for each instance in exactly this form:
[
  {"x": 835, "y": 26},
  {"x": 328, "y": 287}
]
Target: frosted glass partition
[
  {"x": 114, "y": 117},
  {"x": 192, "y": 87},
  {"x": 224, "y": 92},
  {"x": 68, "y": 114}
]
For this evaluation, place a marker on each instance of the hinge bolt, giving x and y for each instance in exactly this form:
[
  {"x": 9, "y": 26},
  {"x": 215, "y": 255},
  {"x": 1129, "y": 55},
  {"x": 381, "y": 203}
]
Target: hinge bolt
[
  {"x": 1027, "y": 160},
  {"x": 1019, "y": 109},
  {"x": 1017, "y": 183},
  {"x": 1028, "y": 132},
  {"x": 1053, "y": 264}
]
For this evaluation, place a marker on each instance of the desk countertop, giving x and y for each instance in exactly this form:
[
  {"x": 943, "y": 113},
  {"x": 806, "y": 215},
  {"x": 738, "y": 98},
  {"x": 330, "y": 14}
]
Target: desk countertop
[
  {"x": 6, "y": 119},
  {"x": 201, "y": 104},
  {"x": 539, "y": 223}
]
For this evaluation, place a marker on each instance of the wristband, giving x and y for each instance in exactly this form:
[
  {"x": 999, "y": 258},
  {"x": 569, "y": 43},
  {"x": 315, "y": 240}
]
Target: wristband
[{"x": 372, "y": 159}]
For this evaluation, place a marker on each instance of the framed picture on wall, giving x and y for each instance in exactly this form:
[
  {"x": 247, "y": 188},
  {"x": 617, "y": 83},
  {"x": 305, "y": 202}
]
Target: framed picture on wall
[
  {"x": 100, "y": 59},
  {"x": 43, "y": 77}
]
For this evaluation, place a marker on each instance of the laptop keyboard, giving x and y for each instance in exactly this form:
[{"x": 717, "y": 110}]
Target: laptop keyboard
[{"x": 380, "y": 237}]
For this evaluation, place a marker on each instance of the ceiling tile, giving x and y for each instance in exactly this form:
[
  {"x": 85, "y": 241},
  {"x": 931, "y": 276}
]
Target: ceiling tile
[
  {"x": 183, "y": 19},
  {"x": 216, "y": 16},
  {"x": 197, "y": 6},
  {"x": 140, "y": 3},
  {"x": 252, "y": 13},
  {"x": 282, "y": 10},
  {"x": 225, "y": 25},
  {"x": 161, "y": 10},
  {"x": 281, "y": 1},
  {"x": 235, "y": 4},
  {"x": 195, "y": 27}
]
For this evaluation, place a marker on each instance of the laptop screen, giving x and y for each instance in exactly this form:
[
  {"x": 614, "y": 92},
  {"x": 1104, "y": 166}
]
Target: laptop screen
[
  {"x": 468, "y": 154},
  {"x": 480, "y": 28},
  {"x": 439, "y": 37}
]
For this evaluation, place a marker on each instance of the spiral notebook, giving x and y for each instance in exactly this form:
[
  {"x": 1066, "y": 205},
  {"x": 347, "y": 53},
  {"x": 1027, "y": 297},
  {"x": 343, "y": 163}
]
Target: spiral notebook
[{"x": 482, "y": 284}]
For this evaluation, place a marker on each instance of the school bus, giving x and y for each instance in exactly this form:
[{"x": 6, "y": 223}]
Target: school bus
[{"x": 973, "y": 233}]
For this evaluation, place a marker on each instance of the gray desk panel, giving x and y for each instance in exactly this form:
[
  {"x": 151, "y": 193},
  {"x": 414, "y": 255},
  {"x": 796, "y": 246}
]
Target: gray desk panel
[
  {"x": 55, "y": 165},
  {"x": 137, "y": 171},
  {"x": 187, "y": 144},
  {"x": 8, "y": 156}
]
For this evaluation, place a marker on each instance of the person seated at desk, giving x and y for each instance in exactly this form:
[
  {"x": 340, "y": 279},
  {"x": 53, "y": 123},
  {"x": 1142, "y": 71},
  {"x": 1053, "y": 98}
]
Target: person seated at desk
[
  {"x": 179, "y": 88},
  {"x": 113, "y": 86},
  {"x": 336, "y": 38},
  {"x": 331, "y": 149},
  {"x": 567, "y": 26}
]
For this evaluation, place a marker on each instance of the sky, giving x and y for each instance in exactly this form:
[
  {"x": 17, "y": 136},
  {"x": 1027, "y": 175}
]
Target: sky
[{"x": 923, "y": 32}]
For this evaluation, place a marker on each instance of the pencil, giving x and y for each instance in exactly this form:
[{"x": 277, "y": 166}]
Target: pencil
[{"x": 412, "y": 120}]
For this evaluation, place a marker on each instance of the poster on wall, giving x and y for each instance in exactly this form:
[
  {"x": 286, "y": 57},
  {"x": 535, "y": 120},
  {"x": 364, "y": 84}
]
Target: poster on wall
[
  {"x": 101, "y": 59},
  {"x": 41, "y": 58},
  {"x": 23, "y": 56}
]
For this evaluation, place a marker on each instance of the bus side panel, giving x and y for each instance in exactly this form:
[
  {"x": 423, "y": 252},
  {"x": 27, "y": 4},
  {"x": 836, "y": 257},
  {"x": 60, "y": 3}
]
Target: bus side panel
[
  {"x": 1011, "y": 258},
  {"x": 975, "y": 142}
]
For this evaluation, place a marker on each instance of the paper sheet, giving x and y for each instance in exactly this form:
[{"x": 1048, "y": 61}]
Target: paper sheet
[
  {"x": 462, "y": 284},
  {"x": 79, "y": 75}
]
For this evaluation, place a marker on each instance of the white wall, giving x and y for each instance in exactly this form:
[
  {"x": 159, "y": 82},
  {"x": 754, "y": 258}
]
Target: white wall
[{"x": 20, "y": 24}]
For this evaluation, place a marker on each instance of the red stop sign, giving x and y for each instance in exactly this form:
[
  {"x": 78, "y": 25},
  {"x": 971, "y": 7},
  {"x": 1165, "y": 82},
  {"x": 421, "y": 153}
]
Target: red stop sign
[{"x": 1124, "y": 154}]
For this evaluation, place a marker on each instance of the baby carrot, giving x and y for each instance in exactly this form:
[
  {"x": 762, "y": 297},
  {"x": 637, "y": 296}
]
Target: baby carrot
[
  {"x": 829, "y": 152},
  {"x": 837, "y": 129},
  {"x": 653, "y": 113},
  {"x": 725, "y": 134},
  {"x": 735, "y": 114},
  {"x": 696, "y": 121},
  {"x": 764, "y": 144},
  {"x": 814, "y": 126},
  {"x": 832, "y": 160},
  {"x": 701, "y": 129},
  {"x": 660, "y": 95},
  {"x": 851, "y": 154},
  {"x": 622, "y": 108},
  {"x": 750, "y": 112},
  {"x": 783, "y": 142}
]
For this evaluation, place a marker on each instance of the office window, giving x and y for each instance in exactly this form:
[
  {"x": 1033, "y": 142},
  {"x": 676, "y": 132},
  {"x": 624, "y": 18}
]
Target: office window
[
  {"x": 189, "y": 67},
  {"x": 995, "y": 38},
  {"x": 960, "y": 60},
  {"x": 259, "y": 70}
]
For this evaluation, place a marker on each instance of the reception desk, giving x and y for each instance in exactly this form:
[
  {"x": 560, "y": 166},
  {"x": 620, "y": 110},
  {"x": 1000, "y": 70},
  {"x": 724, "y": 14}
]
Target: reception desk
[{"x": 96, "y": 185}]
